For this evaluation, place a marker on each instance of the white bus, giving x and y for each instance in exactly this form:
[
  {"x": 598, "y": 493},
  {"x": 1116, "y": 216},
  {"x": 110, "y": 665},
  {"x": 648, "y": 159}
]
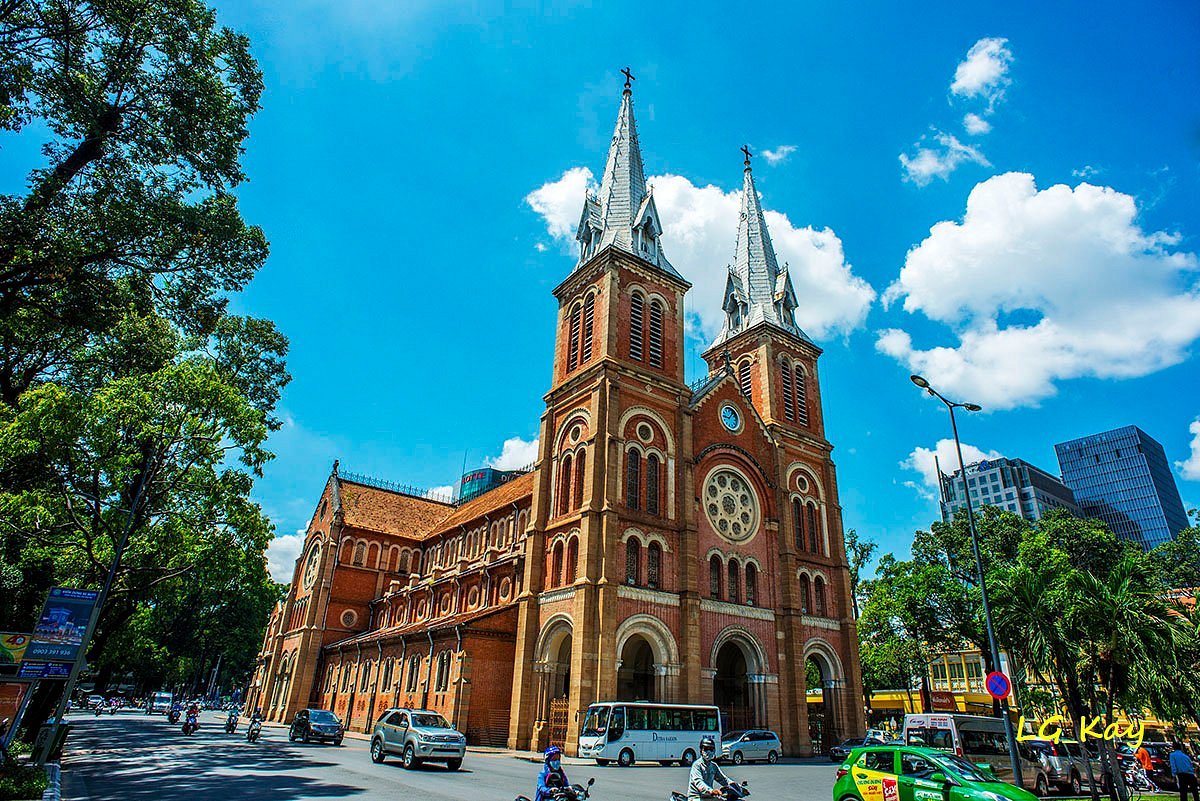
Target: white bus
[{"x": 626, "y": 731}]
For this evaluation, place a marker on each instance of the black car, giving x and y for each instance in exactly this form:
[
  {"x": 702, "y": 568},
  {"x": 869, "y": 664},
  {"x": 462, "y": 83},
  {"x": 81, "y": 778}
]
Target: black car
[
  {"x": 842, "y": 750},
  {"x": 316, "y": 724}
]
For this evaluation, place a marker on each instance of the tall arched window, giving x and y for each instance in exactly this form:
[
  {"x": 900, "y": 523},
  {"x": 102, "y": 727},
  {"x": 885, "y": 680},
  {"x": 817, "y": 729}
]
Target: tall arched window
[
  {"x": 573, "y": 342},
  {"x": 414, "y": 668},
  {"x": 819, "y": 596},
  {"x": 805, "y": 596},
  {"x": 751, "y": 584},
  {"x": 442, "y": 682},
  {"x": 360, "y": 553},
  {"x": 801, "y": 399},
  {"x": 653, "y": 565},
  {"x": 714, "y": 578},
  {"x": 637, "y": 314},
  {"x": 814, "y": 531},
  {"x": 656, "y": 334},
  {"x": 744, "y": 381},
  {"x": 734, "y": 590},
  {"x": 798, "y": 523},
  {"x": 788, "y": 408},
  {"x": 556, "y": 566},
  {"x": 633, "y": 562},
  {"x": 589, "y": 316},
  {"x": 580, "y": 464},
  {"x": 652, "y": 484},
  {"x": 564, "y": 486},
  {"x": 364, "y": 683},
  {"x": 572, "y": 559},
  {"x": 633, "y": 479}
]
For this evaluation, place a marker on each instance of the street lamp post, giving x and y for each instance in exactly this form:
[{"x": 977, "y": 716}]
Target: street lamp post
[{"x": 1009, "y": 734}]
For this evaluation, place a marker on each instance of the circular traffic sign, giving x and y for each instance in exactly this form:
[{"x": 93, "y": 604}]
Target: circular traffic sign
[{"x": 998, "y": 685}]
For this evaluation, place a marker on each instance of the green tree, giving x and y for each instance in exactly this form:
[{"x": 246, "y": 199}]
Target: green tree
[
  {"x": 859, "y": 551},
  {"x": 1178, "y": 559}
]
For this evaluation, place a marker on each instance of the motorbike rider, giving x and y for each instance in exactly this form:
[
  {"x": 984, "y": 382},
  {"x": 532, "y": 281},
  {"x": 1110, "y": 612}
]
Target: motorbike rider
[
  {"x": 706, "y": 774},
  {"x": 552, "y": 776}
]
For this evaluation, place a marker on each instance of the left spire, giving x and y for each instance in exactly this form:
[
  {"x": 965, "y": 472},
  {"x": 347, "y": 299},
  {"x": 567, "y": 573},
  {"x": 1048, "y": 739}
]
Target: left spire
[{"x": 623, "y": 213}]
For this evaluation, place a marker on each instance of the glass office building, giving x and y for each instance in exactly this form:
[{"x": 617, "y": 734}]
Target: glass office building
[
  {"x": 1123, "y": 477},
  {"x": 1011, "y": 484}
]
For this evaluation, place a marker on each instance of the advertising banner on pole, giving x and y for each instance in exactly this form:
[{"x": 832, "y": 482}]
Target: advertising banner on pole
[
  {"x": 59, "y": 631},
  {"x": 33, "y": 669},
  {"x": 12, "y": 650}
]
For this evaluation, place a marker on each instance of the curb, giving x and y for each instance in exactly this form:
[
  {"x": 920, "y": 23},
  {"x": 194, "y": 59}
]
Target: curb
[{"x": 54, "y": 787}]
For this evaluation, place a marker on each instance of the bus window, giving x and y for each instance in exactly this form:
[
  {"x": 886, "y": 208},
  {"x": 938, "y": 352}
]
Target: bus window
[
  {"x": 704, "y": 720},
  {"x": 616, "y": 724},
  {"x": 635, "y": 719},
  {"x": 597, "y": 721}
]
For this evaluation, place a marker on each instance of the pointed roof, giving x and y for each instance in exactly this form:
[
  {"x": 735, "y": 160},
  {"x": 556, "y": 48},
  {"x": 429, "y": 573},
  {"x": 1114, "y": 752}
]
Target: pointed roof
[
  {"x": 756, "y": 291},
  {"x": 622, "y": 214}
]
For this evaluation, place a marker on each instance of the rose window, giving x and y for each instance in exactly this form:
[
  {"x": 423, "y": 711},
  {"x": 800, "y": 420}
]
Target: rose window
[{"x": 731, "y": 505}]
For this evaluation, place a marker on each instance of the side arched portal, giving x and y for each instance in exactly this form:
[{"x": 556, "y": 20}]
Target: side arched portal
[{"x": 826, "y": 685}]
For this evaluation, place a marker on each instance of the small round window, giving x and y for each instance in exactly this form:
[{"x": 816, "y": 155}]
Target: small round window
[
  {"x": 349, "y": 618},
  {"x": 644, "y": 432},
  {"x": 802, "y": 483},
  {"x": 731, "y": 505}
]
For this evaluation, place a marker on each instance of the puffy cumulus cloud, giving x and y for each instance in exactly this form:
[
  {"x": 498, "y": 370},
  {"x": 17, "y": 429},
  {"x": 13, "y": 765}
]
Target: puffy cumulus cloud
[
  {"x": 444, "y": 492},
  {"x": 984, "y": 72},
  {"x": 939, "y": 160},
  {"x": 515, "y": 453},
  {"x": 976, "y": 125},
  {"x": 1190, "y": 467},
  {"x": 282, "y": 553},
  {"x": 1044, "y": 286},
  {"x": 779, "y": 154},
  {"x": 561, "y": 202},
  {"x": 927, "y": 460},
  {"x": 700, "y": 234}
]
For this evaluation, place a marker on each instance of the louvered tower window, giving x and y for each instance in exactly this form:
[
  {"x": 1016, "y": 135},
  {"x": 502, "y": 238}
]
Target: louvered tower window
[
  {"x": 714, "y": 578},
  {"x": 805, "y": 596},
  {"x": 564, "y": 486},
  {"x": 656, "y": 334},
  {"x": 653, "y": 565},
  {"x": 652, "y": 484},
  {"x": 556, "y": 566},
  {"x": 801, "y": 399},
  {"x": 589, "y": 314},
  {"x": 819, "y": 596},
  {"x": 572, "y": 560},
  {"x": 751, "y": 584},
  {"x": 633, "y": 558},
  {"x": 637, "y": 312},
  {"x": 788, "y": 412},
  {"x": 573, "y": 344},
  {"x": 580, "y": 464},
  {"x": 734, "y": 588},
  {"x": 744, "y": 379},
  {"x": 814, "y": 535},
  {"x": 798, "y": 523},
  {"x": 633, "y": 479}
]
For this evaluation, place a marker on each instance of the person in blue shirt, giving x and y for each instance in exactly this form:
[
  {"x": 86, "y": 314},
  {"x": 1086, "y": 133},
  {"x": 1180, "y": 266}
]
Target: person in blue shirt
[
  {"x": 553, "y": 777},
  {"x": 1184, "y": 772}
]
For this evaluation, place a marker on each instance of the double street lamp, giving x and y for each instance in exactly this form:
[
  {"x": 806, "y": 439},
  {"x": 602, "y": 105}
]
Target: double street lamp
[{"x": 1009, "y": 734}]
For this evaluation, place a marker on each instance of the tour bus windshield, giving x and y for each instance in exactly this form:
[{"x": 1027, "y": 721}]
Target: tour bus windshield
[
  {"x": 430, "y": 721},
  {"x": 597, "y": 721}
]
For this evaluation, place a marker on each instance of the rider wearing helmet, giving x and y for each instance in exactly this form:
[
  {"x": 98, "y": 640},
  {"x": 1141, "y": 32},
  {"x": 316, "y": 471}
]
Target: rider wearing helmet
[
  {"x": 552, "y": 776},
  {"x": 706, "y": 774}
]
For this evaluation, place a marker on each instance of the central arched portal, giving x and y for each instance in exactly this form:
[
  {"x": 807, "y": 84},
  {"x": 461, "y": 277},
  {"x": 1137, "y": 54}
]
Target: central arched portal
[
  {"x": 636, "y": 680},
  {"x": 732, "y": 692}
]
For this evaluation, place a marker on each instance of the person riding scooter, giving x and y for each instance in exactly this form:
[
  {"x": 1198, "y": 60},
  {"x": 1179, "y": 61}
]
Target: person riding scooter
[
  {"x": 255, "y": 728},
  {"x": 706, "y": 774},
  {"x": 552, "y": 777},
  {"x": 231, "y": 721}
]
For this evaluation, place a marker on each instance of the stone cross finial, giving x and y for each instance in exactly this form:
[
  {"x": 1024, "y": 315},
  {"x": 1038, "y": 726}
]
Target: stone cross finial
[
  {"x": 628, "y": 77},
  {"x": 746, "y": 150}
]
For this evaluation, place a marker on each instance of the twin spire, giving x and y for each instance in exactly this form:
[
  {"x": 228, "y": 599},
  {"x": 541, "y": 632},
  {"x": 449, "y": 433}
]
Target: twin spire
[{"x": 623, "y": 215}]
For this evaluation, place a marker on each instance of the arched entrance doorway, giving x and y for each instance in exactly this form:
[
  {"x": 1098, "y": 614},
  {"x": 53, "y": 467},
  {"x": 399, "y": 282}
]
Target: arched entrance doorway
[
  {"x": 553, "y": 672},
  {"x": 636, "y": 674},
  {"x": 824, "y": 683},
  {"x": 731, "y": 690}
]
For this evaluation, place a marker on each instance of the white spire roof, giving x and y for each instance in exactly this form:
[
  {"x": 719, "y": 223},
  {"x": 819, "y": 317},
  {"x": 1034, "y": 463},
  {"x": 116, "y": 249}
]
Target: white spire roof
[
  {"x": 623, "y": 214},
  {"x": 756, "y": 290}
]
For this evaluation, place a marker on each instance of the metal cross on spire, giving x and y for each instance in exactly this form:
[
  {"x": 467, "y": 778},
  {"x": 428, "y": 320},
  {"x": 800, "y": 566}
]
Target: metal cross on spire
[
  {"x": 628, "y": 77},
  {"x": 746, "y": 150}
]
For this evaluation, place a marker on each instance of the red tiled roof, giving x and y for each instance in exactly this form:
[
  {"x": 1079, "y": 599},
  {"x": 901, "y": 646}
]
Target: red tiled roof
[
  {"x": 502, "y": 497},
  {"x": 422, "y": 626},
  {"x": 389, "y": 511}
]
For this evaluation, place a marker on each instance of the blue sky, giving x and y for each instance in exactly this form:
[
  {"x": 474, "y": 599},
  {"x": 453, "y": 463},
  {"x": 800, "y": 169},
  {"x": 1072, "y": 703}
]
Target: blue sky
[{"x": 415, "y": 165}]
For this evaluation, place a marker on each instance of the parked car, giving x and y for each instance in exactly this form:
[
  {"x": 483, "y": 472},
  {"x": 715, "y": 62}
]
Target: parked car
[
  {"x": 316, "y": 724},
  {"x": 749, "y": 746},
  {"x": 1047, "y": 764},
  {"x": 842, "y": 750},
  {"x": 417, "y": 735},
  {"x": 94, "y": 701},
  {"x": 875, "y": 773}
]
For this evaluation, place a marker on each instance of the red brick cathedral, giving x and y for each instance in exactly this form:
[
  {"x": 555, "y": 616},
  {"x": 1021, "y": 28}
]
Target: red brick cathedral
[{"x": 672, "y": 543}]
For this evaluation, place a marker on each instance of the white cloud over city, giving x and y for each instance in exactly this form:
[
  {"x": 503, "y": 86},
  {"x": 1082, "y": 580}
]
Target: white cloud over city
[
  {"x": 282, "y": 553},
  {"x": 1037, "y": 287},
  {"x": 1190, "y": 468},
  {"x": 926, "y": 461},
  {"x": 514, "y": 453},
  {"x": 700, "y": 234}
]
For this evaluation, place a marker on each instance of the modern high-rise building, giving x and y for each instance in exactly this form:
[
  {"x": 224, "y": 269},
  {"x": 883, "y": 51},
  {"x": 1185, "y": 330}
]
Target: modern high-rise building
[
  {"x": 1010, "y": 484},
  {"x": 1123, "y": 478}
]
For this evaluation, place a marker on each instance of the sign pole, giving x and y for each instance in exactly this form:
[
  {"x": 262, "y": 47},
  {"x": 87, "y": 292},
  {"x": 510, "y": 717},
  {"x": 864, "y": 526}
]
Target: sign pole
[{"x": 80, "y": 657}]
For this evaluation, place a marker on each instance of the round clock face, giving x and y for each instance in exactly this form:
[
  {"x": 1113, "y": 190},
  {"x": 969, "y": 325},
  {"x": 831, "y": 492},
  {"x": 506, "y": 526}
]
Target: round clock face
[
  {"x": 731, "y": 418},
  {"x": 731, "y": 505},
  {"x": 310, "y": 568}
]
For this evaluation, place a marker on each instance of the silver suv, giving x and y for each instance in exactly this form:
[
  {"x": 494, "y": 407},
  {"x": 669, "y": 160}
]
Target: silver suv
[
  {"x": 746, "y": 746},
  {"x": 417, "y": 735}
]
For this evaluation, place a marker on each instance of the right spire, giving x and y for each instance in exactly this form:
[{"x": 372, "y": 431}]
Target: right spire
[{"x": 756, "y": 290}]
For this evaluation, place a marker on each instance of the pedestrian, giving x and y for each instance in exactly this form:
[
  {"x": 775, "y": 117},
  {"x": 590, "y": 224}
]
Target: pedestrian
[{"x": 1184, "y": 772}]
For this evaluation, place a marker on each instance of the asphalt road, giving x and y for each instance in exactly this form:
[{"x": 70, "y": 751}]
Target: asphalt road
[{"x": 132, "y": 757}]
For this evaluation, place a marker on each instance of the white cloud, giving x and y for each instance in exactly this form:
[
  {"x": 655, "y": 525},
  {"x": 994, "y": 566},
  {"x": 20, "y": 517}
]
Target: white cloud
[
  {"x": 699, "y": 238},
  {"x": 984, "y": 72},
  {"x": 1190, "y": 467},
  {"x": 939, "y": 160},
  {"x": 1044, "y": 286},
  {"x": 443, "y": 493},
  {"x": 976, "y": 125},
  {"x": 514, "y": 454},
  {"x": 282, "y": 553},
  {"x": 779, "y": 154},
  {"x": 927, "y": 460},
  {"x": 540, "y": 247},
  {"x": 1085, "y": 172},
  {"x": 561, "y": 202}
]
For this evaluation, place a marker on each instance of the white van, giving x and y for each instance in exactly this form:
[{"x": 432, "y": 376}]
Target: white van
[
  {"x": 159, "y": 702},
  {"x": 975, "y": 738}
]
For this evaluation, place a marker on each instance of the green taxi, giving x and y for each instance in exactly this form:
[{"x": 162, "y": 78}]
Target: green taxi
[{"x": 901, "y": 773}]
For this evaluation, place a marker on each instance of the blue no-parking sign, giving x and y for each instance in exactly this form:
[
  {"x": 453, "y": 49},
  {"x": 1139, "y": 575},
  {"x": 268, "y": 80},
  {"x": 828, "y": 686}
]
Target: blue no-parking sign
[{"x": 998, "y": 685}]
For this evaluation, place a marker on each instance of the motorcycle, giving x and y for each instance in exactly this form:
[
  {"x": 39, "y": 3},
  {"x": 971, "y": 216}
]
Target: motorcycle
[
  {"x": 173, "y": 717},
  {"x": 730, "y": 792},
  {"x": 191, "y": 724},
  {"x": 254, "y": 730},
  {"x": 231, "y": 722},
  {"x": 576, "y": 792}
]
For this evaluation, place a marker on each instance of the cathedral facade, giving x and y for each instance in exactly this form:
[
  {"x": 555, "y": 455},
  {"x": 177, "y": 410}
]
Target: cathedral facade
[{"x": 671, "y": 543}]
